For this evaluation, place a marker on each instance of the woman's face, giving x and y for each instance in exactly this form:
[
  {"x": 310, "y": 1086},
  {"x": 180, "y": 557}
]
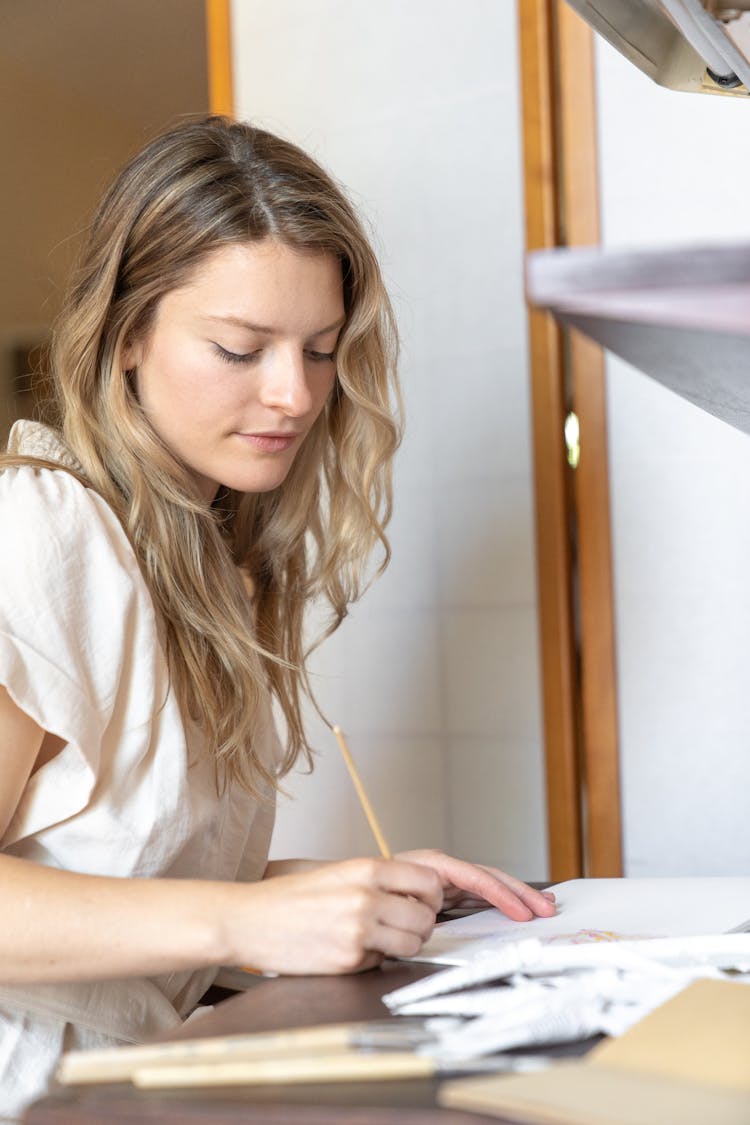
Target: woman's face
[{"x": 238, "y": 362}]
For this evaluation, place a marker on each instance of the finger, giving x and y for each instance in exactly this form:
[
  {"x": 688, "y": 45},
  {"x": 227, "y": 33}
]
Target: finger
[
  {"x": 413, "y": 879},
  {"x": 459, "y": 876},
  {"x": 537, "y": 902},
  {"x": 527, "y": 894},
  {"x": 477, "y": 883},
  {"x": 370, "y": 960},
  {"x": 408, "y": 914},
  {"x": 541, "y": 903},
  {"x": 516, "y": 899},
  {"x": 459, "y": 901},
  {"x": 392, "y": 942}
]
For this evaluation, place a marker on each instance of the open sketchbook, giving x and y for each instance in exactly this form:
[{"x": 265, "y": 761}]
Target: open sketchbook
[{"x": 590, "y": 910}]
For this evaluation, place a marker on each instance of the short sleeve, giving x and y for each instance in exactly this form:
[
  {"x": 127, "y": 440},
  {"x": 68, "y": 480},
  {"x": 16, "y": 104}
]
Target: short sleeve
[{"x": 66, "y": 583}]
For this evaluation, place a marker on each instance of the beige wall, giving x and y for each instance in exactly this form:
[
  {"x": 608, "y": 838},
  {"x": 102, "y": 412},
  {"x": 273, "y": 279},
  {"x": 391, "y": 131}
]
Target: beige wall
[{"x": 83, "y": 84}]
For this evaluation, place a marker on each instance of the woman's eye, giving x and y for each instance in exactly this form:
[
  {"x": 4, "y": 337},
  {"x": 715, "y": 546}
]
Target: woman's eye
[
  {"x": 321, "y": 357},
  {"x": 235, "y": 357}
]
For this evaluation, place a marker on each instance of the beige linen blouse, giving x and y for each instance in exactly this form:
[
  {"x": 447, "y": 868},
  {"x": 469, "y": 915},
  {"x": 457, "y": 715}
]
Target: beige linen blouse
[{"x": 131, "y": 793}]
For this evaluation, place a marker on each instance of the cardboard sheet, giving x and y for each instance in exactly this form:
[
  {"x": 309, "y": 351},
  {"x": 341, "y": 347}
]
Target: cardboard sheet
[{"x": 686, "y": 1063}]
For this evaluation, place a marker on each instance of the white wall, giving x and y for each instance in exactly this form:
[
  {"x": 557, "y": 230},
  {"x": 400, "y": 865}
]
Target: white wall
[
  {"x": 675, "y": 168},
  {"x": 435, "y": 677}
]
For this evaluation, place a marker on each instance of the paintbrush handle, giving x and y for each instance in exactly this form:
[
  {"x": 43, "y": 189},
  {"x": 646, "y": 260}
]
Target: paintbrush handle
[
  {"x": 372, "y": 820},
  {"x": 344, "y": 1066},
  {"x": 117, "y": 1064}
]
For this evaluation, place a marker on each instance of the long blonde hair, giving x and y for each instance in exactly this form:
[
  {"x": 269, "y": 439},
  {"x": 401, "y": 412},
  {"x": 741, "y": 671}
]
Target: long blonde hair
[{"x": 199, "y": 186}]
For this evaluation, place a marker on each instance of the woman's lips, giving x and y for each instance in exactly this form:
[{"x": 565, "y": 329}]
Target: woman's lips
[{"x": 269, "y": 443}]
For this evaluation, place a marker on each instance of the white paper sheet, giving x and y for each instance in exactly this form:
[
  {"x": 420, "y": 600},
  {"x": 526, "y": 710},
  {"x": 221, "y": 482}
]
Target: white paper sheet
[
  {"x": 650, "y": 957},
  {"x": 592, "y": 910}
]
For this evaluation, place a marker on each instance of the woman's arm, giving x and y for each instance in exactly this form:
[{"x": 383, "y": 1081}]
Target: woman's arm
[
  {"x": 20, "y": 742},
  {"x": 62, "y": 926},
  {"x": 276, "y": 867},
  {"x": 307, "y": 918}
]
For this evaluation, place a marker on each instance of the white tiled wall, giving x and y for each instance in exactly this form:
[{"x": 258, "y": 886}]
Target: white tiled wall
[
  {"x": 435, "y": 676},
  {"x": 675, "y": 168}
]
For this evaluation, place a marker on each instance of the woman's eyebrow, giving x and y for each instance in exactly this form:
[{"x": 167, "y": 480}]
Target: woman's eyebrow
[
  {"x": 331, "y": 327},
  {"x": 267, "y": 330}
]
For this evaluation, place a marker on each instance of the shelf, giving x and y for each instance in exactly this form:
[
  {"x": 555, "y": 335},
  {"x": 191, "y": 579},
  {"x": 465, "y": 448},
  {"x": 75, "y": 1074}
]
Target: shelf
[{"x": 681, "y": 316}]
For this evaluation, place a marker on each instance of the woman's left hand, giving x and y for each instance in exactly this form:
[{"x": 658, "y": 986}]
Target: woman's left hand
[{"x": 467, "y": 885}]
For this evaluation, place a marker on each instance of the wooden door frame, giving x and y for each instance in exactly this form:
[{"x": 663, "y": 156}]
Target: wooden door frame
[
  {"x": 574, "y": 556},
  {"x": 219, "y": 56}
]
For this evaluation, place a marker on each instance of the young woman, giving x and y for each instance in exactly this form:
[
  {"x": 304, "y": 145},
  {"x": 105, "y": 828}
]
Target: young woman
[{"x": 224, "y": 373}]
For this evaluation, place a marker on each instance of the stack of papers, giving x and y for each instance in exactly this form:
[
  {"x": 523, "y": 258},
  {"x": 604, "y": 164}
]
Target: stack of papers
[{"x": 616, "y": 950}]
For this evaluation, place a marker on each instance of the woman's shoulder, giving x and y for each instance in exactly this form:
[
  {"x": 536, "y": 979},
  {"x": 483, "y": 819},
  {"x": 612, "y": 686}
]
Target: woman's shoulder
[
  {"x": 47, "y": 513},
  {"x": 28, "y": 438}
]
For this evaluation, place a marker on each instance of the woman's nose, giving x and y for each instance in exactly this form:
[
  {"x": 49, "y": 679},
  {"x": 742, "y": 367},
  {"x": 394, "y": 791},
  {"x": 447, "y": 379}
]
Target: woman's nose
[{"x": 285, "y": 386}]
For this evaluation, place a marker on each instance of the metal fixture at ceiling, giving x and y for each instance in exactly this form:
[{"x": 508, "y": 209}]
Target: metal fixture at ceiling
[{"x": 698, "y": 45}]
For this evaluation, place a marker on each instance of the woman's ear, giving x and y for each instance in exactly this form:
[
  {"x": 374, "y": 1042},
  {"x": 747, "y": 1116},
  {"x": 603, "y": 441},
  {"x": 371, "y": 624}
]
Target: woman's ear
[{"x": 132, "y": 354}]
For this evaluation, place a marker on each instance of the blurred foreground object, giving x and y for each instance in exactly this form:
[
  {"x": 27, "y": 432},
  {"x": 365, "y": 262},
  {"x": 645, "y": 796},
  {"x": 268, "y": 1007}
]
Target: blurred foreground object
[{"x": 698, "y": 45}]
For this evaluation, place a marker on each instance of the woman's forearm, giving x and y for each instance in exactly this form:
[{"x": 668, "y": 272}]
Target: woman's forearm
[
  {"x": 62, "y": 926},
  {"x": 330, "y": 918},
  {"x": 276, "y": 867}
]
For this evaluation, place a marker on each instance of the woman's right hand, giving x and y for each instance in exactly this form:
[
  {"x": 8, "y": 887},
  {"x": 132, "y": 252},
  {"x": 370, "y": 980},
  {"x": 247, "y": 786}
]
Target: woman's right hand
[{"x": 338, "y": 918}]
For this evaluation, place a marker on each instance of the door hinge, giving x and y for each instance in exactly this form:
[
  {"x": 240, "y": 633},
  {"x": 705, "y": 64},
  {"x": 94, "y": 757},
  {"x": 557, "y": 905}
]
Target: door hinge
[{"x": 572, "y": 432}]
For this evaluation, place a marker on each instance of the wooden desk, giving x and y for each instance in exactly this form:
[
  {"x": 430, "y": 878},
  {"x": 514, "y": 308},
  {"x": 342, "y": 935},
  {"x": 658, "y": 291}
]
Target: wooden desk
[{"x": 269, "y": 1005}]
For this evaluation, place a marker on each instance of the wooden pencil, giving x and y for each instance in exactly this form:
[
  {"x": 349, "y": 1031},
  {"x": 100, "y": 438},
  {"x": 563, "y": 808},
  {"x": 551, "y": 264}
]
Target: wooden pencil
[{"x": 372, "y": 820}]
